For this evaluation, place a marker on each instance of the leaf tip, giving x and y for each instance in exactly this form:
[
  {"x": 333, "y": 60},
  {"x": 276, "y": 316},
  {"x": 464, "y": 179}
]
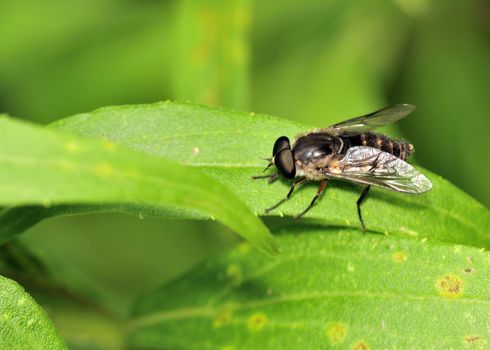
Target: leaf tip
[{"x": 269, "y": 246}]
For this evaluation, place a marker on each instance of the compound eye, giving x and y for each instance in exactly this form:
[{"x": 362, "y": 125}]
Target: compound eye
[
  {"x": 280, "y": 144},
  {"x": 283, "y": 158}
]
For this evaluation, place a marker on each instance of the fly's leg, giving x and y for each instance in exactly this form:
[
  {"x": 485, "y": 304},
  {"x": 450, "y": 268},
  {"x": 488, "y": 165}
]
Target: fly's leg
[
  {"x": 298, "y": 182},
  {"x": 361, "y": 199},
  {"x": 271, "y": 177},
  {"x": 323, "y": 184}
]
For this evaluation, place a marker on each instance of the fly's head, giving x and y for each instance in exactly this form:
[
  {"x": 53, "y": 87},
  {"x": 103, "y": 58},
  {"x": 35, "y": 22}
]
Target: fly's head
[{"x": 282, "y": 158}]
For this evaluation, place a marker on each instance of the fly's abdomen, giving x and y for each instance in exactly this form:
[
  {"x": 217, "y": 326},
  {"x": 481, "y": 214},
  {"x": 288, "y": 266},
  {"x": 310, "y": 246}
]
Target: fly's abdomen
[{"x": 400, "y": 149}]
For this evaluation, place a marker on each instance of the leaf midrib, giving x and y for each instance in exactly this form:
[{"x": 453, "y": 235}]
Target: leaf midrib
[
  {"x": 184, "y": 313},
  {"x": 293, "y": 257}
]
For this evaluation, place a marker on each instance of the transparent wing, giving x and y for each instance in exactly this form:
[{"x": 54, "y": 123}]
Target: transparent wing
[
  {"x": 371, "y": 166},
  {"x": 371, "y": 121}
]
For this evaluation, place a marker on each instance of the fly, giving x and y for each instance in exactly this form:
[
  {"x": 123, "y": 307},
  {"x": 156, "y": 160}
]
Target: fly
[{"x": 349, "y": 151}]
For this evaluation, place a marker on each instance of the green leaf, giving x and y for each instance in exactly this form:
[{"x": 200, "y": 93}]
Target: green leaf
[
  {"x": 328, "y": 288},
  {"x": 41, "y": 166},
  {"x": 81, "y": 324},
  {"x": 84, "y": 315},
  {"x": 23, "y": 324},
  {"x": 228, "y": 146}
]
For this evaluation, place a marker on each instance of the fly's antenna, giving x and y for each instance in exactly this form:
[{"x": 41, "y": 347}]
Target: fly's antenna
[{"x": 271, "y": 163}]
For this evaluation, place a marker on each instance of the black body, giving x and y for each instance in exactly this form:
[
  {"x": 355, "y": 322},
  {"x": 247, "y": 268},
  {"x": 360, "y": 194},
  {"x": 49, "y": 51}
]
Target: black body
[
  {"x": 314, "y": 146},
  {"x": 399, "y": 149},
  {"x": 350, "y": 151}
]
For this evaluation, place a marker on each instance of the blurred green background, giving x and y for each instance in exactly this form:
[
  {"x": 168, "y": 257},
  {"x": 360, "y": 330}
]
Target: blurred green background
[{"x": 318, "y": 62}]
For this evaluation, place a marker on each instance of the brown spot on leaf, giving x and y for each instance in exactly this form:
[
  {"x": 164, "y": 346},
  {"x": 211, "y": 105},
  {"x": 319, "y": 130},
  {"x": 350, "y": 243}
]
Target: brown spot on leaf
[
  {"x": 469, "y": 270},
  {"x": 474, "y": 342},
  {"x": 336, "y": 332},
  {"x": 257, "y": 322},
  {"x": 361, "y": 345},
  {"x": 223, "y": 318},
  {"x": 399, "y": 256},
  {"x": 450, "y": 286}
]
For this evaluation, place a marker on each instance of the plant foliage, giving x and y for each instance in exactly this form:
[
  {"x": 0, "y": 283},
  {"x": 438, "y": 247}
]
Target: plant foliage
[
  {"x": 329, "y": 288},
  {"x": 23, "y": 323}
]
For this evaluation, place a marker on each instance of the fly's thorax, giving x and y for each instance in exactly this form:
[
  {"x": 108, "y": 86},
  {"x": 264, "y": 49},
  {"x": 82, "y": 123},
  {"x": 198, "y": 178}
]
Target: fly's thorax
[
  {"x": 313, "y": 152},
  {"x": 316, "y": 148}
]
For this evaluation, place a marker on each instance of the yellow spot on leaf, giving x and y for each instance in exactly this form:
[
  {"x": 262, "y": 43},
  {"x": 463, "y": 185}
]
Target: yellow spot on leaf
[
  {"x": 399, "y": 256},
  {"x": 196, "y": 151},
  {"x": 234, "y": 274},
  {"x": 244, "y": 247},
  {"x": 361, "y": 346},
  {"x": 72, "y": 147},
  {"x": 104, "y": 169},
  {"x": 450, "y": 286},
  {"x": 409, "y": 232},
  {"x": 336, "y": 332},
  {"x": 350, "y": 267},
  {"x": 257, "y": 322},
  {"x": 21, "y": 301}
]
